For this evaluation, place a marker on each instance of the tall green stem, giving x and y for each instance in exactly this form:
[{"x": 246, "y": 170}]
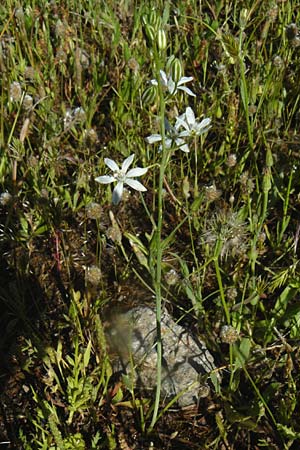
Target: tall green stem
[{"x": 159, "y": 252}]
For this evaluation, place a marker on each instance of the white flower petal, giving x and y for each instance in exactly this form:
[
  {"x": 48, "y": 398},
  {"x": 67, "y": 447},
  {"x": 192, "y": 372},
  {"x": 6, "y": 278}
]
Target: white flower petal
[
  {"x": 180, "y": 122},
  {"x": 181, "y": 144},
  {"x": 168, "y": 142},
  {"x": 105, "y": 179},
  {"x": 167, "y": 126},
  {"x": 190, "y": 116},
  {"x": 205, "y": 122},
  {"x": 136, "y": 172},
  {"x": 111, "y": 164},
  {"x": 171, "y": 86},
  {"x": 164, "y": 78},
  {"x": 134, "y": 184},
  {"x": 187, "y": 90},
  {"x": 127, "y": 162},
  {"x": 184, "y": 148},
  {"x": 185, "y": 133},
  {"x": 117, "y": 193},
  {"x": 154, "y": 82},
  {"x": 203, "y": 126},
  {"x": 153, "y": 138},
  {"x": 184, "y": 80}
]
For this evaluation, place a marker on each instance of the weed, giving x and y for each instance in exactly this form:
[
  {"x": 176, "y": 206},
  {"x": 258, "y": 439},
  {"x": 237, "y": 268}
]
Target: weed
[{"x": 212, "y": 233}]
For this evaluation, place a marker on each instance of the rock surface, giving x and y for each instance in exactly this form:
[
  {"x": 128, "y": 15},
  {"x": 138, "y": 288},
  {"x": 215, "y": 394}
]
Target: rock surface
[{"x": 133, "y": 337}]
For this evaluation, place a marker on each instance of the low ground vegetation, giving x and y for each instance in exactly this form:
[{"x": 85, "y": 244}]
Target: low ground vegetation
[{"x": 200, "y": 103}]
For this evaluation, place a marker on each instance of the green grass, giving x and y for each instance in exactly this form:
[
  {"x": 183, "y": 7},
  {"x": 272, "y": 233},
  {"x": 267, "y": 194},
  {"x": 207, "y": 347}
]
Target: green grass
[{"x": 215, "y": 237}]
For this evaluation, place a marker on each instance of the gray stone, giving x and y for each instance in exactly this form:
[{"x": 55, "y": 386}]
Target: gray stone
[{"x": 132, "y": 336}]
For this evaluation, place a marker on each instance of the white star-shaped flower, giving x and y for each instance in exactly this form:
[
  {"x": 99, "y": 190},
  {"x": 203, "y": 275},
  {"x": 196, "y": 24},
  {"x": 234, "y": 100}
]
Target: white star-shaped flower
[
  {"x": 122, "y": 176},
  {"x": 173, "y": 87},
  {"x": 191, "y": 126},
  {"x": 173, "y": 136}
]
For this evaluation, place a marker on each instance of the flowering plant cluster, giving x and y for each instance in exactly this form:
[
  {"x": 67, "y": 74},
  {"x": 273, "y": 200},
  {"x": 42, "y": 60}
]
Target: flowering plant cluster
[
  {"x": 176, "y": 137},
  {"x": 186, "y": 126}
]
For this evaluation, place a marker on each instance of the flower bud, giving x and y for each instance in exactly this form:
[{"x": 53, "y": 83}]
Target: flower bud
[
  {"x": 186, "y": 187},
  {"x": 176, "y": 70},
  {"x": 269, "y": 158},
  {"x": 243, "y": 18},
  {"x": 149, "y": 95},
  {"x": 154, "y": 19},
  {"x": 161, "y": 39},
  {"x": 267, "y": 183},
  {"x": 150, "y": 32},
  {"x": 219, "y": 112}
]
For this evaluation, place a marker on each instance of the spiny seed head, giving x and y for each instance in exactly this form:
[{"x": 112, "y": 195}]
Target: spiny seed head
[
  {"x": 247, "y": 183},
  {"x": 83, "y": 58},
  {"x": 27, "y": 102},
  {"x": 226, "y": 230},
  {"x": 291, "y": 31},
  {"x": 29, "y": 73},
  {"x": 243, "y": 17},
  {"x": 231, "y": 160},
  {"x": 278, "y": 61},
  {"x": 133, "y": 65},
  {"x": 60, "y": 29},
  {"x": 252, "y": 109},
  {"x": 171, "y": 277},
  {"x": 229, "y": 334},
  {"x": 79, "y": 114},
  {"x": 19, "y": 14},
  {"x": 296, "y": 42},
  {"x": 273, "y": 13},
  {"x": 94, "y": 211},
  {"x": 68, "y": 119},
  {"x": 232, "y": 294},
  {"x": 15, "y": 91},
  {"x": 61, "y": 56},
  {"x": 204, "y": 391},
  {"x": 33, "y": 161},
  {"x": 212, "y": 193},
  {"x": 262, "y": 237},
  {"x": 93, "y": 275},
  {"x": 5, "y": 198},
  {"x": 91, "y": 136}
]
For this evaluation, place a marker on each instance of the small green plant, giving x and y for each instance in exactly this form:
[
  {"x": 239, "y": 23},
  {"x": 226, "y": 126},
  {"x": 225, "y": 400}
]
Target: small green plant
[{"x": 205, "y": 97}]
